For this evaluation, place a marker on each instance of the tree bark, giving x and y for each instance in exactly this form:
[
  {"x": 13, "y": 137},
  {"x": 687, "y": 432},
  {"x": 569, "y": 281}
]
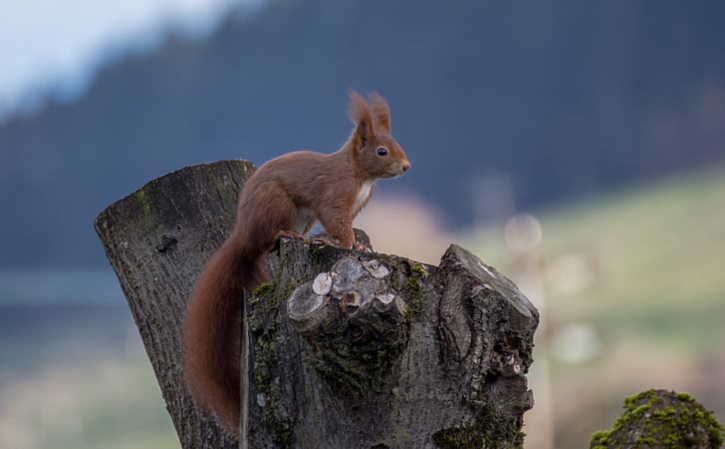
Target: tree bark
[
  {"x": 157, "y": 240},
  {"x": 347, "y": 349}
]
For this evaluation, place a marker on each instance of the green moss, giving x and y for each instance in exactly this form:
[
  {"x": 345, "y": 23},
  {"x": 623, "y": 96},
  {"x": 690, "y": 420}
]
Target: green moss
[
  {"x": 273, "y": 302},
  {"x": 645, "y": 398},
  {"x": 414, "y": 300},
  {"x": 290, "y": 288},
  {"x": 261, "y": 289},
  {"x": 599, "y": 439},
  {"x": 664, "y": 419},
  {"x": 666, "y": 412},
  {"x": 264, "y": 368},
  {"x": 489, "y": 430},
  {"x": 264, "y": 322},
  {"x": 684, "y": 397},
  {"x": 406, "y": 279},
  {"x": 144, "y": 201},
  {"x": 265, "y": 360},
  {"x": 417, "y": 268}
]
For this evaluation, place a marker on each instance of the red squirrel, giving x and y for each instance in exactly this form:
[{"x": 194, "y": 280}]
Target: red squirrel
[{"x": 284, "y": 197}]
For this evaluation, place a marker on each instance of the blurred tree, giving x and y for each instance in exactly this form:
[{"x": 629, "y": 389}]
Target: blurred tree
[{"x": 563, "y": 98}]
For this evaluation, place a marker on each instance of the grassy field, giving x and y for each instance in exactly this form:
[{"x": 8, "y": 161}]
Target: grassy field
[
  {"x": 659, "y": 256},
  {"x": 76, "y": 377},
  {"x": 110, "y": 403}
]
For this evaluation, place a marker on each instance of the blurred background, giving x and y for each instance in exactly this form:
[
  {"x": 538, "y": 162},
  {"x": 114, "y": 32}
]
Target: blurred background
[{"x": 579, "y": 147}]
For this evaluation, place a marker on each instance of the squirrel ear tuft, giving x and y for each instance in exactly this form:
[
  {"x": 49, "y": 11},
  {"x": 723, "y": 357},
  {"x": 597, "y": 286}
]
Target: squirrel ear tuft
[
  {"x": 361, "y": 116},
  {"x": 381, "y": 111}
]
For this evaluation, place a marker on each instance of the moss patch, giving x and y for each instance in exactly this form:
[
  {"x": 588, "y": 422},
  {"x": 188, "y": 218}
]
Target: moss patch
[
  {"x": 356, "y": 359},
  {"x": 266, "y": 359},
  {"x": 264, "y": 287},
  {"x": 489, "y": 430},
  {"x": 661, "y": 419},
  {"x": 414, "y": 300},
  {"x": 417, "y": 268},
  {"x": 264, "y": 326},
  {"x": 143, "y": 201}
]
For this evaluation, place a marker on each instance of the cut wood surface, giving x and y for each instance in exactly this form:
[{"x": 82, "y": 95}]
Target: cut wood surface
[{"x": 348, "y": 349}]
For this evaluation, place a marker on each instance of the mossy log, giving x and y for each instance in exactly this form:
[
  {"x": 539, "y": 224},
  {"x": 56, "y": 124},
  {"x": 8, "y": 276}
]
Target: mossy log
[
  {"x": 661, "y": 419},
  {"x": 347, "y": 349}
]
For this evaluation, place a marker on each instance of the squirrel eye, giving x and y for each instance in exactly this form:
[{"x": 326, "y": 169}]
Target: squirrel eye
[{"x": 382, "y": 151}]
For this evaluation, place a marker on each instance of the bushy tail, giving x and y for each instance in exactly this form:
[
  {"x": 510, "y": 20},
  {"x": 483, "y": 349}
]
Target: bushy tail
[{"x": 212, "y": 330}]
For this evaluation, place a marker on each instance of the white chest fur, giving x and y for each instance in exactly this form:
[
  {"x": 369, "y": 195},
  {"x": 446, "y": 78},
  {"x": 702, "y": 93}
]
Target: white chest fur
[{"x": 363, "y": 194}]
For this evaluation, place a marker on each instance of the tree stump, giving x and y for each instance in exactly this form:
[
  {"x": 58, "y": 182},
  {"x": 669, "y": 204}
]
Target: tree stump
[
  {"x": 157, "y": 240},
  {"x": 661, "y": 419},
  {"x": 347, "y": 349}
]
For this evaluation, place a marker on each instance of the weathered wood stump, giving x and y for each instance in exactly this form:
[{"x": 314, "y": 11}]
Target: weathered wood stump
[
  {"x": 157, "y": 239},
  {"x": 347, "y": 349}
]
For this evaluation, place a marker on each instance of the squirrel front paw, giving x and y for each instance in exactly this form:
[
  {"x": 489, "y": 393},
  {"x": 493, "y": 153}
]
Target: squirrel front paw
[
  {"x": 357, "y": 246},
  {"x": 323, "y": 241}
]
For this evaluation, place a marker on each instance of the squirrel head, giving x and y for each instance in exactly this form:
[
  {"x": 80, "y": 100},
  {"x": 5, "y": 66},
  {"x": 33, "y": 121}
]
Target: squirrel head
[{"x": 376, "y": 152}]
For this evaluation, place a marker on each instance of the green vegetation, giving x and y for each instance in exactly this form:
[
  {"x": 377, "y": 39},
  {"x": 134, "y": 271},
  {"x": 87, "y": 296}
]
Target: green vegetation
[
  {"x": 414, "y": 301},
  {"x": 490, "y": 429},
  {"x": 665, "y": 419},
  {"x": 655, "y": 255},
  {"x": 264, "y": 321},
  {"x": 263, "y": 288},
  {"x": 143, "y": 200}
]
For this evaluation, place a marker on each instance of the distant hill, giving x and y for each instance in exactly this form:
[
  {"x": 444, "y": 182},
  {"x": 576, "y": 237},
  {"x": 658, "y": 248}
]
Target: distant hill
[{"x": 543, "y": 100}]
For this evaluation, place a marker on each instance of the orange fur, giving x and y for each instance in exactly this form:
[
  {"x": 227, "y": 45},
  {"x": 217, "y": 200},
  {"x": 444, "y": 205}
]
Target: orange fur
[{"x": 286, "y": 195}]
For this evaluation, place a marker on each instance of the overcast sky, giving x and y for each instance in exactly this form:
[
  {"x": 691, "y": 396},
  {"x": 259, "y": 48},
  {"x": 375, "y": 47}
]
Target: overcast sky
[{"x": 58, "y": 43}]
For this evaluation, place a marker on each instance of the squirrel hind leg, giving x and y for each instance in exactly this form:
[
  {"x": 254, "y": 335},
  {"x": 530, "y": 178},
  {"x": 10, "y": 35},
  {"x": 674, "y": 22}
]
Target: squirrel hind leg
[
  {"x": 271, "y": 212},
  {"x": 339, "y": 228},
  {"x": 304, "y": 220}
]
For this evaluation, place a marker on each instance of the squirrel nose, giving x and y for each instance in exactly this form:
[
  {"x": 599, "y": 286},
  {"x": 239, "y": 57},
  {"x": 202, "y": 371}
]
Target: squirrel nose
[{"x": 406, "y": 166}]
